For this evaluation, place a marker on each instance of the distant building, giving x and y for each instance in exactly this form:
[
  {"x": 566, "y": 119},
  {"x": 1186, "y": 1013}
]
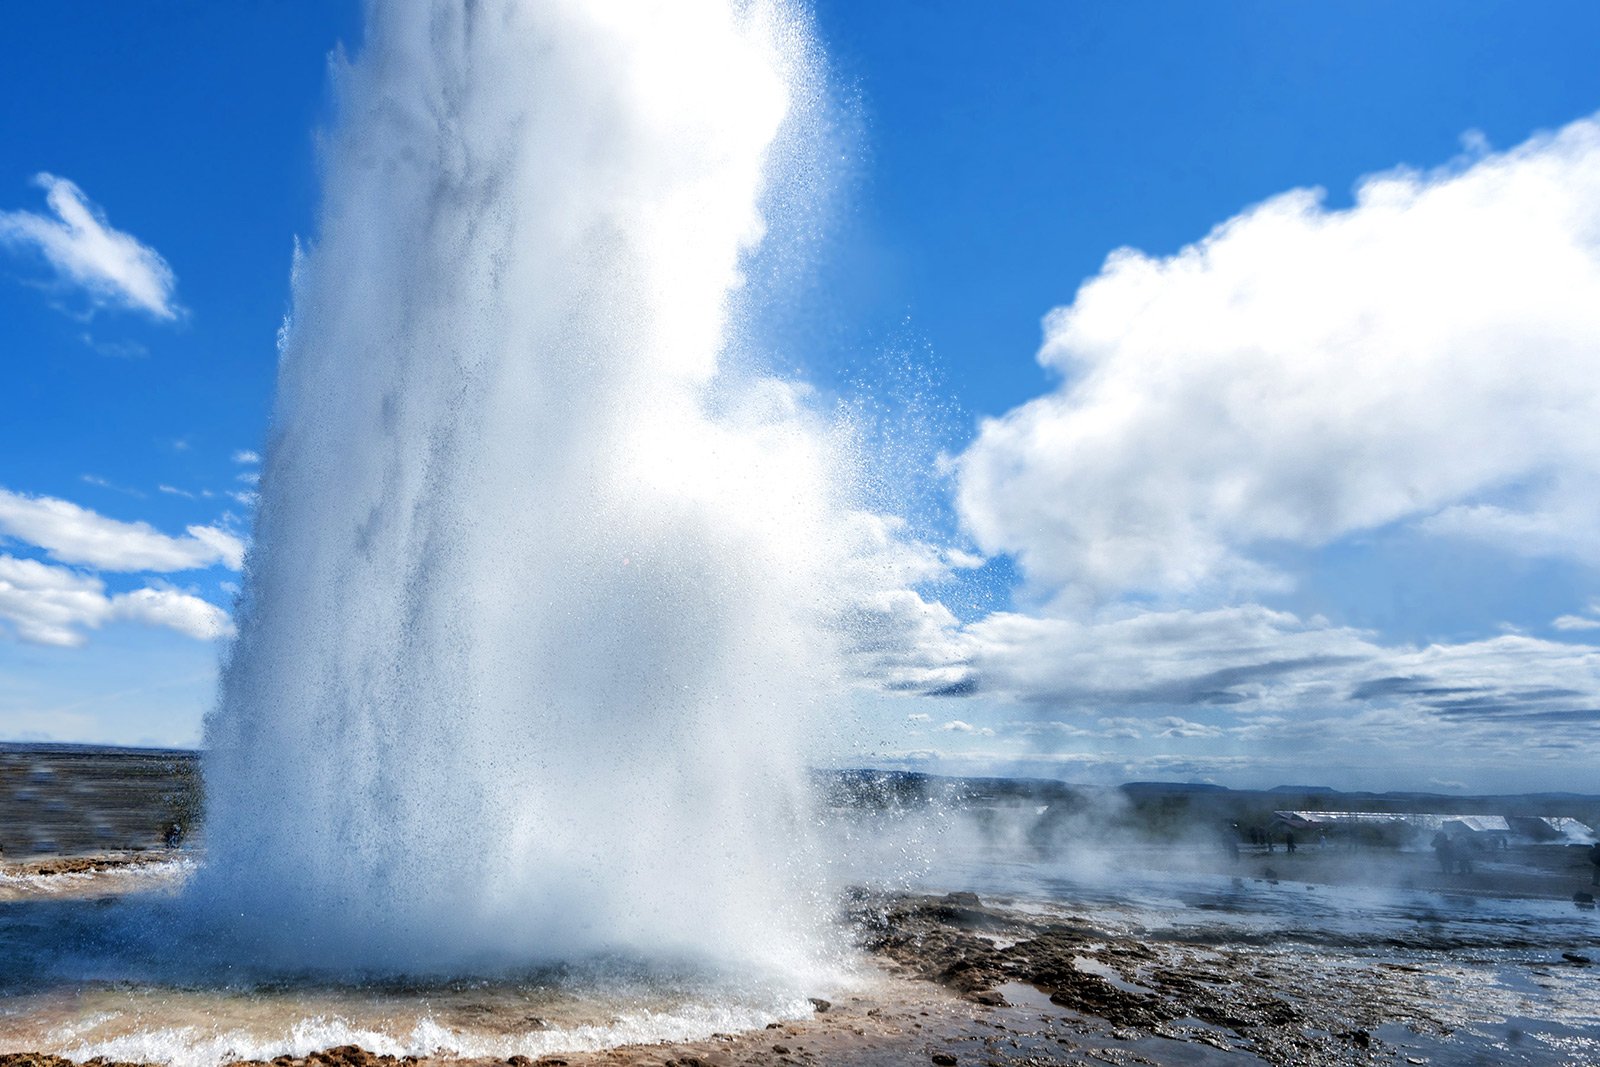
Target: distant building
[{"x": 1411, "y": 828}]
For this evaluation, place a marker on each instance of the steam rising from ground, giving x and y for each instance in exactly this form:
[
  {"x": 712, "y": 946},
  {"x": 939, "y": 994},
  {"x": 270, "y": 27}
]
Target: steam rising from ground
[{"x": 537, "y": 606}]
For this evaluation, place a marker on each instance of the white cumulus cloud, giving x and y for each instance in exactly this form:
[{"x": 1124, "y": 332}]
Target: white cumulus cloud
[
  {"x": 50, "y": 605},
  {"x": 73, "y": 534},
  {"x": 1426, "y": 360},
  {"x": 113, "y": 267},
  {"x": 175, "y": 610},
  {"x": 1429, "y": 355}
]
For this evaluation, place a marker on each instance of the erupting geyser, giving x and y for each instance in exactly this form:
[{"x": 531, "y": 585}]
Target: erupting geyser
[{"x": 534, "y": 615}]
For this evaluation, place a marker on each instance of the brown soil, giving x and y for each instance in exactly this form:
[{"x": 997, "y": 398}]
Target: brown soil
[{"x": 91, "y": 864}]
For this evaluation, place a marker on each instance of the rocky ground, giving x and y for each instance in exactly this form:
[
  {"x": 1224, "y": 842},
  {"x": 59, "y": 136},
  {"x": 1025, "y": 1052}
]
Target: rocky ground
[{"x": 1012, "y": 983}]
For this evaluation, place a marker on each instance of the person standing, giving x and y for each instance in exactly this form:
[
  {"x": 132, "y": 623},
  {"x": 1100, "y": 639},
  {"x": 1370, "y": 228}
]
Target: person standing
[{"x": 1444, "y": 849}]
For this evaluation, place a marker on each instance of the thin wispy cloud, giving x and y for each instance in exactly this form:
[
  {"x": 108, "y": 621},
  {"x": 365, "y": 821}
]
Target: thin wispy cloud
[
  {"x": 1175, "y": 726},
  {"x": 112, "y": 268},
  {"x": 100, "y": 482},
  {"x": 187, "y": 494},
  {"x": 1215, "y": 680},
  {"x": 72, "y": 534},
  {"x": 116, "y": 349},
  {"x": 959, "y": 727},
  {"x": 246, "y": 456}
]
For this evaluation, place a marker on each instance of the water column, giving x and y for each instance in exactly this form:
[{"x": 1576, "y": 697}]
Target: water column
[{"x": 530, "y": 631}]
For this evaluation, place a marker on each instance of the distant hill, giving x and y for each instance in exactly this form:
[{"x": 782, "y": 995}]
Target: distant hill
[
  {"x": 62, "y": 748},
  {"x": 1171, "y": 787},
  {"x": 1178, "y": 809}
]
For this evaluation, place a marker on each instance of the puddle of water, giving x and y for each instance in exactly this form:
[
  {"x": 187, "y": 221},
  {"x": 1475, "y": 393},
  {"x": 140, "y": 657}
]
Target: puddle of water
[
  {"x": 1090, "y": 965},
  {"x": 1023, "y": 995},
  {"x": 1512, "y": 1042},
  {"x": 1178, "y": 1051}
]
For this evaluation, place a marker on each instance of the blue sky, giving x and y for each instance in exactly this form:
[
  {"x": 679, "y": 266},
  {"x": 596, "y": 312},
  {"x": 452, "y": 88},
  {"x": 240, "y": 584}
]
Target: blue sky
[{"x": 994, "y": 163}]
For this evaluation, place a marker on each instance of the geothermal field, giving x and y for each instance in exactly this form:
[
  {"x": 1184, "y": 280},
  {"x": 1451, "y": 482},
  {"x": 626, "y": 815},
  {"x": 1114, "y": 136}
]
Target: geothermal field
[
  {"x": 981, "y": 921},
  {"x": 529, "y": 745}
]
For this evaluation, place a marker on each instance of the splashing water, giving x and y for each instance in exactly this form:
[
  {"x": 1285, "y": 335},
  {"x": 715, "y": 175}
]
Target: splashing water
[{"x": 535, "y": 615}]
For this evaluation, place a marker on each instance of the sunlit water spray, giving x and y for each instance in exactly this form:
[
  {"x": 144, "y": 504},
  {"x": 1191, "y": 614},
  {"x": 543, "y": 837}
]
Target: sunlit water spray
[
  {"x": 536, "y": 612},
  {"x": 550, "y": 579}
]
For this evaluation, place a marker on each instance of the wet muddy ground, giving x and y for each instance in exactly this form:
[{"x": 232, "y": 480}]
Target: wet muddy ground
[{"x": 1024, "y": 981}]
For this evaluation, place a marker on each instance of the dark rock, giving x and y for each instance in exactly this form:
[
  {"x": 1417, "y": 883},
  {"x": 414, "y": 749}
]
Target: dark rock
[
  {"x": 346, "y": 1056},
  {"x": 782, "y": 1050},
  {"x": 943, "y": 1059},
  {"x": 820, "y": 1004}
]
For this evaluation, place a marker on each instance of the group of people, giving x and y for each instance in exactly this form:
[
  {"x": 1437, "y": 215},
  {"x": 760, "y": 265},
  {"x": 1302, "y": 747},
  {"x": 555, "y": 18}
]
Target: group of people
[
  {"x": 1232, "y": 835},
  {"x": 1262, "y": 839},
  {"x": 1454, "y": 856}
]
